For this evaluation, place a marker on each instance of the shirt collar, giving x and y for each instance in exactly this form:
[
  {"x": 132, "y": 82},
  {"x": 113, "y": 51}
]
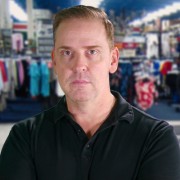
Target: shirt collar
[
  {"x": 60, "y": 109},
  {"x": 122, "y": 109}
]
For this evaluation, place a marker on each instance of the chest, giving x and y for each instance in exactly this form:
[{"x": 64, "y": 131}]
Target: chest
[{"x": 110, "y": 154}]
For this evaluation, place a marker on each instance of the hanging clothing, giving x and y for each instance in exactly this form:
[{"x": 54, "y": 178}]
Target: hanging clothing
[
  {"x": 1, "y": 83},
  {"x": 146, "y": 92},
  {"x": 165, "y": 67},
  {"x": 126, "y": 81},
  {"x": 34, "y": 73},
  {"x": 39, "y": 79},
  {"x": 3, "y": 71},
  {"x": 59, "y": 90},
  {"x": 44, "y": 78},
  {"x": 15, "y": 74},
  {"x": 152, "y": 45},
  {"x": 165, "y": 39},
  {"x": 4, "y": 74},
  {"x": 21, "y": 72},
  {"x": 17, "y": 42},
  {"x": 156, "y": 67}
]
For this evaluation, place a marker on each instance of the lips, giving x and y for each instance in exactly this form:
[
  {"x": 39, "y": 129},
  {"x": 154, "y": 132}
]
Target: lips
[{"x": 80, "y": 82}]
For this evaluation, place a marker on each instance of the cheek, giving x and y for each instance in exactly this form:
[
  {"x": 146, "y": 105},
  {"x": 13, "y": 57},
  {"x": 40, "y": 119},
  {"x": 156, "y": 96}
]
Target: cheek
[
  {"x": 59, "y": 70},
  {"x": 64, "y": 74},
  {"x": 101, "y": 72}
]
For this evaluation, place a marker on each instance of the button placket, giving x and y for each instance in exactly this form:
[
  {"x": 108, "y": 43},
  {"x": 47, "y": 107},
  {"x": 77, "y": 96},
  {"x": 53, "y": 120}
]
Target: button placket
[
  {"x": 88, "y": 146},
  {"x": 79, "y": 132},
  {"x": 87, "y": 152}
]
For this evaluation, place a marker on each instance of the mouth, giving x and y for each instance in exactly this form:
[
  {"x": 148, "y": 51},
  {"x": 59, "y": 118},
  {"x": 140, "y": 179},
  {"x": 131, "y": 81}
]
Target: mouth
[{"x": 80, "y": 82}]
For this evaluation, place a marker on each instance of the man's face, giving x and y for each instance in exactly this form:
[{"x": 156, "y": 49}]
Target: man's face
[{"x": 82, "y": 59}]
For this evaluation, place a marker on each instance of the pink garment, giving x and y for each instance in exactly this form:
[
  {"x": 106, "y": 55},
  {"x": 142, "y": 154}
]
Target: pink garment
[
  {"x": 20, "y": 72},
  {"x": 146, "y": 93},
  {"x": 17, "y": 42}
]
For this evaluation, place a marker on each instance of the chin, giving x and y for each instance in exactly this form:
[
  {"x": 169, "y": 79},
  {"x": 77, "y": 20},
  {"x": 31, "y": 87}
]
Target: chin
[
  {"x": 80, "y": 96},
  {"x": 81, "y": 100}
]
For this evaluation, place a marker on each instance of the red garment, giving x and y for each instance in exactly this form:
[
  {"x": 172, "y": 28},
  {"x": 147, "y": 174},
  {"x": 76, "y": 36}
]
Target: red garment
[
  {"x": 3, "y": 71},
  {"x": 145, "y": 94},
  {"x": 165, "y": 67}
]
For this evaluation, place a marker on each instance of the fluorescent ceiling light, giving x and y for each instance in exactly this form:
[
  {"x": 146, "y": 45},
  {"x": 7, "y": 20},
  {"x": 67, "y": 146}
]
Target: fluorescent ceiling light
[
  {"x": 95, "y": 3},
  {"x": 170, "y": 9},
  {"x": 17, "y": 12}
]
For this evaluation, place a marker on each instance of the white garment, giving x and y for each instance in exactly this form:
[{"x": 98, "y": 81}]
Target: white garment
[
  {"x": 59, "y": 91},
  {"x": 165, "y": 44},
  {"x": 152, "y": 45}
]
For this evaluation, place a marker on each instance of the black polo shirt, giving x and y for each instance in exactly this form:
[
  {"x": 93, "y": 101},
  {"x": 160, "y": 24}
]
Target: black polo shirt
[{"x": 130, "y": 145}]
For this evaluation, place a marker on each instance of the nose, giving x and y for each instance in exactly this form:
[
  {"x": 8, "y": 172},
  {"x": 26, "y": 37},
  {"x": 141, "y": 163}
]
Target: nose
[{"x": 80, "y": 63}]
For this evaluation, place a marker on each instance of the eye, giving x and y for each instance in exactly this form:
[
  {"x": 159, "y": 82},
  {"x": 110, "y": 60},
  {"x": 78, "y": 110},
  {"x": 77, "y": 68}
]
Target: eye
[
  {"x": 92, "y": 52},
  {"x": 66, "y": 52}
]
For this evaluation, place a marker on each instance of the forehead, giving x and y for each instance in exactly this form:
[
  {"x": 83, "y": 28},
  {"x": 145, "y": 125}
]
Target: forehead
[
  {"x": 81, "y": 23},
  {"x": 81, "y": 29}
]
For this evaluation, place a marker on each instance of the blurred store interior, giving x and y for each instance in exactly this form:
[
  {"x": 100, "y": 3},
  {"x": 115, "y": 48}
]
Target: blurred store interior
[{"x": 147, "y": 34}]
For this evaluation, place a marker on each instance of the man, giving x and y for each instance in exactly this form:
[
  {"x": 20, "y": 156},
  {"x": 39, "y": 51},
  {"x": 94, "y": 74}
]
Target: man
[{"x": 92, "y": 133}]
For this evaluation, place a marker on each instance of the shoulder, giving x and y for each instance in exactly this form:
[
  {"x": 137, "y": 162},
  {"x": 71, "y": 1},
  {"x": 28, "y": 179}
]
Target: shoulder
[
  {"x": 32, "y": 125},
  {"x": 141, "y": 117},
  {"x": 49, "y": 116},
  {"x": 161, "y": 151},
  {"x": 24, "y": 131},
  {"x": 155, "y": 130}
]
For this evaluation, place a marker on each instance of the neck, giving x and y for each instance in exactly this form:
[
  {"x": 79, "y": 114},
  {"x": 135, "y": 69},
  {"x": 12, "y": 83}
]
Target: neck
[{"x": 91, "y": 115}]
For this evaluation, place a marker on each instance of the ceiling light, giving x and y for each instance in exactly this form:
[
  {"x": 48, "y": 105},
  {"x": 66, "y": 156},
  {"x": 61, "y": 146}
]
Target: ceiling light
[
  {"x": 17, "y": 12},
  {"x": 170, "y": 9},
  {"x": 95, "y": 3}
]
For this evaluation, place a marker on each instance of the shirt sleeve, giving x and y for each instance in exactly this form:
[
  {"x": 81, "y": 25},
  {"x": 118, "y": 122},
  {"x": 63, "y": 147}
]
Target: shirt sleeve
[
  {"x": 16, "y": 161},
  {"x": 162, "y": 157}
]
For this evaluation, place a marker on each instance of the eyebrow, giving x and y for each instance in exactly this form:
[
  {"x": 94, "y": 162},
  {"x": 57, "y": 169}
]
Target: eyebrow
[
  {"x": 94, "y": 46},
  {"x": 64, "y": 47},
  {"x": 88, "y": 47}
]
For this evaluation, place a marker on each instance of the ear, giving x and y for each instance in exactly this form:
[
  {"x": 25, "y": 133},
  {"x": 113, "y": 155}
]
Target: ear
[
  {"x": 114, "y": 60},
  {"x": 53, "y": 59}
]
